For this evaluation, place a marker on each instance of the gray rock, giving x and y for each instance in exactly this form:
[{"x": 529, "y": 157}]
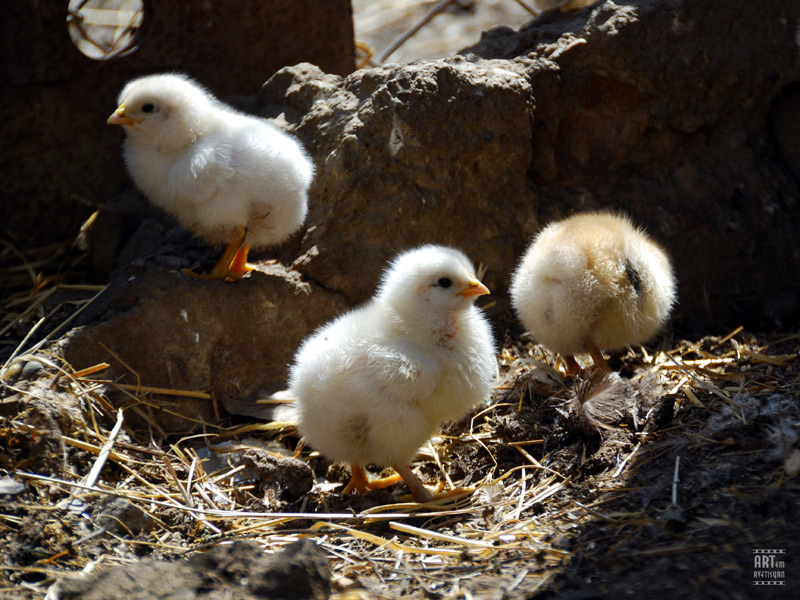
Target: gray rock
[
  {"x": 11, "y": 487},
  {"x": 240, "y": 570},
  {"x": 119, "y": 515},
  {"x": 232, "y": 340},
  {"x": 654, "y": 108},
  {"x": 292, "y": 475},
  {"x": 32, "y": 369},
  {"x": 429, "y": 152},
  {"x": 684, "y": 115}
]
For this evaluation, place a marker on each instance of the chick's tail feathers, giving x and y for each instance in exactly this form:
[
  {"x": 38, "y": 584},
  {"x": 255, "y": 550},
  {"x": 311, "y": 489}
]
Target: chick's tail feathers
[{"x": 280, "y": 406}]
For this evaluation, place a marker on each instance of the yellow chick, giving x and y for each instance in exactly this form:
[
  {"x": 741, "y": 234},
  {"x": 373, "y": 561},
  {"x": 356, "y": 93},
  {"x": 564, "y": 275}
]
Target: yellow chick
[
  {"x": 374, "y": 384},
  {"x": 230, "y": 178},
  {"x": 592, "y": 282}
]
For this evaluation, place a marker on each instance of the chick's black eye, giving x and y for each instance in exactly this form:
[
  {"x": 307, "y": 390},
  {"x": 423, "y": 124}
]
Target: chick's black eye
[
  {"x": 444, "y": 282},
  {"x": 148, "y": 108}
]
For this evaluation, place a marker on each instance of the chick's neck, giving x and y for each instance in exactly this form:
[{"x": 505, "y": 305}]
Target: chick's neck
[{"x": 436, "y": 328}]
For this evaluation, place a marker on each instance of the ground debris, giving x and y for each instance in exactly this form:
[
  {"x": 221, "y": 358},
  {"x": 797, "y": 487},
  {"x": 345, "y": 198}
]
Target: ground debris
[{"x": 693, "y": 472}]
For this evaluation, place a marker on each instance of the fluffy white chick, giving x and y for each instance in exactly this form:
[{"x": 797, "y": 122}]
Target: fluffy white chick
[
  {"x": 590, "y": 282},
  {"x": 374, "y": 384},
  {"x": 230, "y": 178}
]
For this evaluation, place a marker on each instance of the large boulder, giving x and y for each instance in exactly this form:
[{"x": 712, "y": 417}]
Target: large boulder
[
  {"x": 427, "y": 152},
  {"x": 682, "y": 114},
  {"x": 234, "y": 342}
]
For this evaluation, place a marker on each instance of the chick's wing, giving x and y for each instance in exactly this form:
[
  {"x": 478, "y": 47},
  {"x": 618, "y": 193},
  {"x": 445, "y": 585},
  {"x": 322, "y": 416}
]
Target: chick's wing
[
  {"x": 202, "y": 171},
  {"x": 402, "y": 370}
]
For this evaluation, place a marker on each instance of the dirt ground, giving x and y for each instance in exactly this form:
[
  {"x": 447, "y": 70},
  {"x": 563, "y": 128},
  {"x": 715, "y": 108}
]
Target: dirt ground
[
  {"x": 665, "y": 479},
  {"x": 679, "y": 476}
]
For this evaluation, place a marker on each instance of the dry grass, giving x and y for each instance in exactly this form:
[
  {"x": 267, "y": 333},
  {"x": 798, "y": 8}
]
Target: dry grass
[
  {"x": 406, "y": 30},
  {"x": 529, "y": 472},
  {"x": 541, "y": 491}
]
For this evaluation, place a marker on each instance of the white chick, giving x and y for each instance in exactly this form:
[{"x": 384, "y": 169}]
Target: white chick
[
  {"x": 374, "y": 384},
  {"x": 591, "y": 282},
  {"x": 230, "y": 178}
]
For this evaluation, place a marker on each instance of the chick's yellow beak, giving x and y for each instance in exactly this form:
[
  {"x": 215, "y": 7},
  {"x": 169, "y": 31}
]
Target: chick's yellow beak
[
  {"x": 474, "y": 288},
  {"x": 118, "y": 117}
]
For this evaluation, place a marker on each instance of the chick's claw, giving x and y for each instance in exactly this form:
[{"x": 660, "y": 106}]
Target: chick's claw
[
  {"x": 239, "y": 265},
  {"x": 384, "y": 482},
  {"x": 232, "y": 265},
  {"x": 358, "y": 481},
  {"x": 440, "y": 496}
]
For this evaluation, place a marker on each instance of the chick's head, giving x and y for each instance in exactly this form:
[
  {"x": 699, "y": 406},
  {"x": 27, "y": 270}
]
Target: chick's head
[
  {"x": 164, "y": 112},
  {"x": 430, "y": 282}
]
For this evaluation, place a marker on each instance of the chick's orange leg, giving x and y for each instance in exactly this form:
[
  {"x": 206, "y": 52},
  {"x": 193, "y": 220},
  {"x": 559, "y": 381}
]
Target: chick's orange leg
[
  {"x": 597, "y": 356},
  {"x": 222, "y": 270},
  {"x": 419, "y": 491},
  {"x": 572, "y": 366},
  {"x": 239, "y": 265},
  {"x": 358, "y": 480},
  {"x": 384, "y": 482}
]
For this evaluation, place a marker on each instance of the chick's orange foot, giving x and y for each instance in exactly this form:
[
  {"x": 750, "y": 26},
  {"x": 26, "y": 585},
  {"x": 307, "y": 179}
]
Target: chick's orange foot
[
  {"x": 360, "y": 482},
  {"x": 419, "y": 491},
  {"x": 232, "y": 265},
  {"x": 600, "y": 365},
  {"x": 597, "y": 357},
  {"x": 239, "y": 265}
]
